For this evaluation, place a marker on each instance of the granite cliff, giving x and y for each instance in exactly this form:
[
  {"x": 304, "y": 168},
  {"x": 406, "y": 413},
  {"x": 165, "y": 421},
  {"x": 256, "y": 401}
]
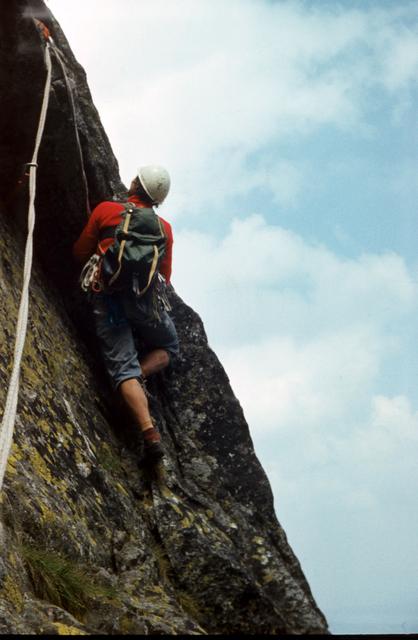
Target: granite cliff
[{"x": 91, "y": 541}]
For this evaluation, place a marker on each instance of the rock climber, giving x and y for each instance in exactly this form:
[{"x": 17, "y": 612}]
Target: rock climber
[{"x": 117, "y": 314}]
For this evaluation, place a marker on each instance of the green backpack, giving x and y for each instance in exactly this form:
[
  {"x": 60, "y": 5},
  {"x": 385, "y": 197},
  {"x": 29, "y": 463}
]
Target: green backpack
[{"x": 132, "y": 261}]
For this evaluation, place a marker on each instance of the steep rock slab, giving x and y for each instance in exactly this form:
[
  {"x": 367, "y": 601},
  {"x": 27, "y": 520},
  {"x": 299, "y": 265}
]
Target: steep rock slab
[
  {"x": 193, "y": 549},
  {"x": 71, "y": 487}
]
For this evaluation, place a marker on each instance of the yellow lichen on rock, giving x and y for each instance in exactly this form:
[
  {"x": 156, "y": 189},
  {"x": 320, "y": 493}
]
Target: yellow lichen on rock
[
  {"x": 121, "y": 488},
  {"x": 48, "y": 516},
  {"x": 69, "y": 428},
  {"x": 40, "y": 466},
  {"x": 269, "y": 577},
  {"x": 11, "y": 467},
  {"x": 44, "y": 425},
  {"x": 12, "y": 593},
  {"x": 66, "y": 630},
  {"x": 14, "y": 457},
  {"x": 186, "y": 522}
]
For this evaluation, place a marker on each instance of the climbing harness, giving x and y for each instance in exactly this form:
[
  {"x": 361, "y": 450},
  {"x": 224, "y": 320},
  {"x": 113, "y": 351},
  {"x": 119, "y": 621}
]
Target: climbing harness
[{"x": 9, "y": 415}]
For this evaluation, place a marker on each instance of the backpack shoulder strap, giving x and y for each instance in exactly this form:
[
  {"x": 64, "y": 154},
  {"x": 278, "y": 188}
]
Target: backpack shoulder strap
[
  {"x": 162, "y": 229},
  {"x": 109, "y": 232},
  {"x": 126, "y": 222}
]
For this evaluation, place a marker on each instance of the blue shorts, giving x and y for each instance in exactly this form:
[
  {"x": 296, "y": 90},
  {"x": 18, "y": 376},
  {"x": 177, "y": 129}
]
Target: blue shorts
[{"x": 117, "y": 317}]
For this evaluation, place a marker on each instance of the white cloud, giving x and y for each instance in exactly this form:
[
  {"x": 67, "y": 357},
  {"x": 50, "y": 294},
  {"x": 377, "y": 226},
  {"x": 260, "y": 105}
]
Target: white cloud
[
  {"x": 204, "y": 95},
  {"x": 273, "y": 283},
  {"x": 287, "y": 386},
  {"x": 399, "y": 54},
  {"x": 391, "y": 433},
  {"x": 307, "y": 338},
  {"x": 371, "y": 465}
]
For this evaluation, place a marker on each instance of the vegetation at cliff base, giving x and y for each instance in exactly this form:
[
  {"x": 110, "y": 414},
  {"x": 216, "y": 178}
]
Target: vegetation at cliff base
[{"x": 60, "y": 581}]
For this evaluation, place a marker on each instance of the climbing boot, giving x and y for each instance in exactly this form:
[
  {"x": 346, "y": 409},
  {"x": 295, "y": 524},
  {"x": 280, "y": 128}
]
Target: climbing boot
[
  {"x": 153, "y": 449},
  {"x": 154, "y": 452}
]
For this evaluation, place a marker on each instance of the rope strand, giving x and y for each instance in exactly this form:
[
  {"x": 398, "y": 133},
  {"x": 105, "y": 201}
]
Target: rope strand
[
  {"x": 77, "y": 137},
  {"x": 9, "y": 415}
]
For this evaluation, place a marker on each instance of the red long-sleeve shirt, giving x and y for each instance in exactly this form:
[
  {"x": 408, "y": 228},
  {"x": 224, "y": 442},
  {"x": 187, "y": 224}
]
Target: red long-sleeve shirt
[{"x": 108, "y": 214}]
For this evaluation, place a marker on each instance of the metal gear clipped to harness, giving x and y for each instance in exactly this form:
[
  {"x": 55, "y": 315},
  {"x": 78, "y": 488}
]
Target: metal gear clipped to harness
[{"x": 90, "y": 277}]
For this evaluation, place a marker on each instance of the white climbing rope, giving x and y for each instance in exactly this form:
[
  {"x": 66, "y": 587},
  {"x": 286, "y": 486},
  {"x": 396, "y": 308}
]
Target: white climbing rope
[{"x": 9, "y": 415}]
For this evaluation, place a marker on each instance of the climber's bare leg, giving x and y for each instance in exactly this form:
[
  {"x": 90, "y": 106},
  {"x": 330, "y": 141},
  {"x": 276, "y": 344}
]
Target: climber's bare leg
[
  {"x": 154, "y": 361},
  {"x": 135, "y": 399}
]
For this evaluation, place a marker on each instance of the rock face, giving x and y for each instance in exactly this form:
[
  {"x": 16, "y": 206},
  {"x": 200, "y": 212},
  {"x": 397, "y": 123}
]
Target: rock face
[{"x": 92, "y": 541}]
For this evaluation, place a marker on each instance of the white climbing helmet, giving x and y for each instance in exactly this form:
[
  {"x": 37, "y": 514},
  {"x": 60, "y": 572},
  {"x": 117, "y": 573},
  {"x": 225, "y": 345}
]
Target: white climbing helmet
[{"x": 156, "y": 182}]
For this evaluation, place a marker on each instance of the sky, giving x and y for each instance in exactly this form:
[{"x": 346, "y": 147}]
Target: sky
[{"x": 289, "y": 130}]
